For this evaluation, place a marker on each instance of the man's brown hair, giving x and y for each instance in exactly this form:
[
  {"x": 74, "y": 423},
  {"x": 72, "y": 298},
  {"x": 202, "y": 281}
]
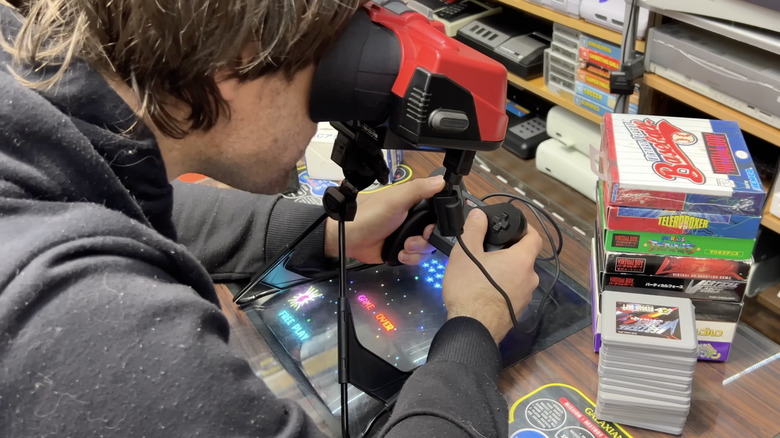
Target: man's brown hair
[{"x": 172, "y": 49}]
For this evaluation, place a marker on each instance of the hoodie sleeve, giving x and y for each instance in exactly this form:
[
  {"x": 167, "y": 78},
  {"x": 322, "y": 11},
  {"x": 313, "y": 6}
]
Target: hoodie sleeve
[
  {"x": 234, "y": 233},
  {"x": 455, "y": 394}
]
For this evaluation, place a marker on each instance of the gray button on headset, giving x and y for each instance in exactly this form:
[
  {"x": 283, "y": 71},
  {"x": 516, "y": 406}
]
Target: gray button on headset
[{"x": 449, "y": 121}]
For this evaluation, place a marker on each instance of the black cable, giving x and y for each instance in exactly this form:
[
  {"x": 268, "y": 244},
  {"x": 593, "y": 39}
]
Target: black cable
[
  {"x": 546, "y": 293},
  {"x": 343, "y": 346},
  {"x": 629, "y": 27}
]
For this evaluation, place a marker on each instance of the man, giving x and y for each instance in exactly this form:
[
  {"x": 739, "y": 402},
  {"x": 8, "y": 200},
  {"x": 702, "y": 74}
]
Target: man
[{"x": 109, "y": 326}]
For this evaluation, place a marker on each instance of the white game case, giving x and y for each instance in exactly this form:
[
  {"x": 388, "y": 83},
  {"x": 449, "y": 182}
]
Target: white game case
[
  {"x": 650, "y": 358},
  {"x": 673, "y": 382},
  {"x": 674, "y": 430},
  {"x": 658, "y": 324},
  {"x": 606, "y": 380},
  {"x": 639, "y": 394},
  {"x": 618, "y": 363},
  {"x": 610, "y": 400}
]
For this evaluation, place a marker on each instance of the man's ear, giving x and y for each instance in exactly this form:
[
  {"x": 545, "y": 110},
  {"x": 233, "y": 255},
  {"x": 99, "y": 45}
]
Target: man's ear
[{"x": 228, "y": 87}]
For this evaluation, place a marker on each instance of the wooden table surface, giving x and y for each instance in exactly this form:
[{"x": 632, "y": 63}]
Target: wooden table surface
[{"x": 737, "y": 398}]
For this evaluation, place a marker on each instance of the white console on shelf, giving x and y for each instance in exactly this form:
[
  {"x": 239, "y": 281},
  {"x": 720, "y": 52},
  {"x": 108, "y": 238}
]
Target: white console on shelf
[{"x": 740, "y": 11}]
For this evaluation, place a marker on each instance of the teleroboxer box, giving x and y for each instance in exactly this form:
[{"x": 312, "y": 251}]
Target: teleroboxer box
[
  {"x": 716, "y": 321},
  {"x": 681, "y": 222},
  {"x": 651, "y": 242}
]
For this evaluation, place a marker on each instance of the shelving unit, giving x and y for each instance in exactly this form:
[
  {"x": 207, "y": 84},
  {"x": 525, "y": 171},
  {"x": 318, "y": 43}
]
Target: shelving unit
[
  {"x": 652, "y": 81},
  {"x": 574, "y": 23},
  {"x": 536, "y": 86},
  {"x": 769, "y": 220},
  {"x": 713, "y": 108}
]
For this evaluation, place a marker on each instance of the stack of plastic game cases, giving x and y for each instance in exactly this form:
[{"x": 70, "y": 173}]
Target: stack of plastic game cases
[{"x": 646, "y": 363}]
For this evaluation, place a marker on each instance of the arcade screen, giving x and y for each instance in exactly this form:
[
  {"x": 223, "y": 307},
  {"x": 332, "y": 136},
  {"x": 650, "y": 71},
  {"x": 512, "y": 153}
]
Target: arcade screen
[{"x": 396, "y": 313}]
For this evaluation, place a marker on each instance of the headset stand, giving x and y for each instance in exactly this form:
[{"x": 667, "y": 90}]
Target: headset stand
[{"x": 621, "y": 82}]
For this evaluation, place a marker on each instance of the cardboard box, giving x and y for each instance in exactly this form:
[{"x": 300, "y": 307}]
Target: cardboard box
[
  {"x": 675, "y": 163},
  {"x": 319, "y": 164},
  {"x": 597, "y": 58},
  {"x": 602, "y": 97},
  {"x": 600, "y": 46},
  {"x": 679, "y": 222},
  {"x": 716, "y": 290}
]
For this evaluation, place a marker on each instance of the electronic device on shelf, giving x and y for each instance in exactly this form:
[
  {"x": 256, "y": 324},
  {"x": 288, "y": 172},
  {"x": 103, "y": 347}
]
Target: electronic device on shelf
[
  {"x": 759, "y": 13},
  {"x": 568, "y": 165},
  {"x": 515, "y": 40},
  {"x": 527, "y": 126},
  {"x": 735, "y": 74},
  {"x": 455, "y": 14},
  {"x": 610, "y": 14},
  {"x": 573, "y": 130},
  {"x": 524, "y": 136},
  {"x": 568, "y": 7}
]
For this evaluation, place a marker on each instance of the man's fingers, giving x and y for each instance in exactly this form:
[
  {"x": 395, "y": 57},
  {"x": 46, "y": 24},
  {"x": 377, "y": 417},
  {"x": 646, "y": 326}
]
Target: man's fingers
[
  {"x": 411, "y": 259},
  {"x": 417, "y": 244},
  {"x": 407, "y": 195},
  {"x": 531, "y": 243},
  {"x": 474, "y": 230},
  {"x": 428, "y": 231}
]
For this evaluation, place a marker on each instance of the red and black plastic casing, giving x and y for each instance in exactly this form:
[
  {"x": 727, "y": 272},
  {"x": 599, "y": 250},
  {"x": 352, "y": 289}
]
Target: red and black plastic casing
[{"x": 444, "y": 95}]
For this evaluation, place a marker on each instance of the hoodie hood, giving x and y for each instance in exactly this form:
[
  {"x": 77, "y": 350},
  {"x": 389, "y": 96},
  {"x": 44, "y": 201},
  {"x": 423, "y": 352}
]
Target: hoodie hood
[{"x": 78, "y": 127}]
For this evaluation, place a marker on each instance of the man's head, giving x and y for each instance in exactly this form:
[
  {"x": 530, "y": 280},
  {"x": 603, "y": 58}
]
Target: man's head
[{"x": 189, "y": 64}]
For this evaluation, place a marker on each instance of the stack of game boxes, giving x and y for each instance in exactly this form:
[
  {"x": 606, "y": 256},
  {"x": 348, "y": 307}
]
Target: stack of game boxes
[
  {"x": 578, "y": 65},
  {"x": 598, "y": 58},
  {"x": 647, "y": 361},
  {"x": 679, "y": 206}
]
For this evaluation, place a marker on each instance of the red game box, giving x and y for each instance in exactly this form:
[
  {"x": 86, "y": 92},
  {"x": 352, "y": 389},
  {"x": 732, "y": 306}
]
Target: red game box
[{"x": 676, "y": 163}]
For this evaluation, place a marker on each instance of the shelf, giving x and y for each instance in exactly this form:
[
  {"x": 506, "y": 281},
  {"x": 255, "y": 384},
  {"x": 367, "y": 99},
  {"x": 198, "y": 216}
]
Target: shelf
[
  {"x": 537, "y": 87},
  {"x": 575, "y": 23},
  {"x": 713, "y": 108},
  {"x": 769, "y": 220}
]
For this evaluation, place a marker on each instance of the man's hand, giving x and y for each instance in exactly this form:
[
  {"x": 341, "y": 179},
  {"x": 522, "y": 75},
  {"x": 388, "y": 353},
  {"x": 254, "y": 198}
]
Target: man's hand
[
  {"x": 378, "y": 215},
  {"x": 467, "y": 292}
]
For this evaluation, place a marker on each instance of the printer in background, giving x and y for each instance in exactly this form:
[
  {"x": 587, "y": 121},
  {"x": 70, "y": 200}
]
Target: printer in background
[
  {"x": 526, "y": 128},
  {"x": 512, "y": 38},
  {"x": 454, "y": 14},
  {"x": 565, "y": 156}
]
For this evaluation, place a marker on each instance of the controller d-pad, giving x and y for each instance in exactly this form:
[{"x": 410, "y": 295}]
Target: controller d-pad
[
  {"x": 506, "y": 225},
  {"x": 500, "y": 223}
]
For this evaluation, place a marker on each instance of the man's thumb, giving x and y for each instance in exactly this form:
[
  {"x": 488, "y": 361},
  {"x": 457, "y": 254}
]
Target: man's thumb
[{"x": 474, "y": 230}]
